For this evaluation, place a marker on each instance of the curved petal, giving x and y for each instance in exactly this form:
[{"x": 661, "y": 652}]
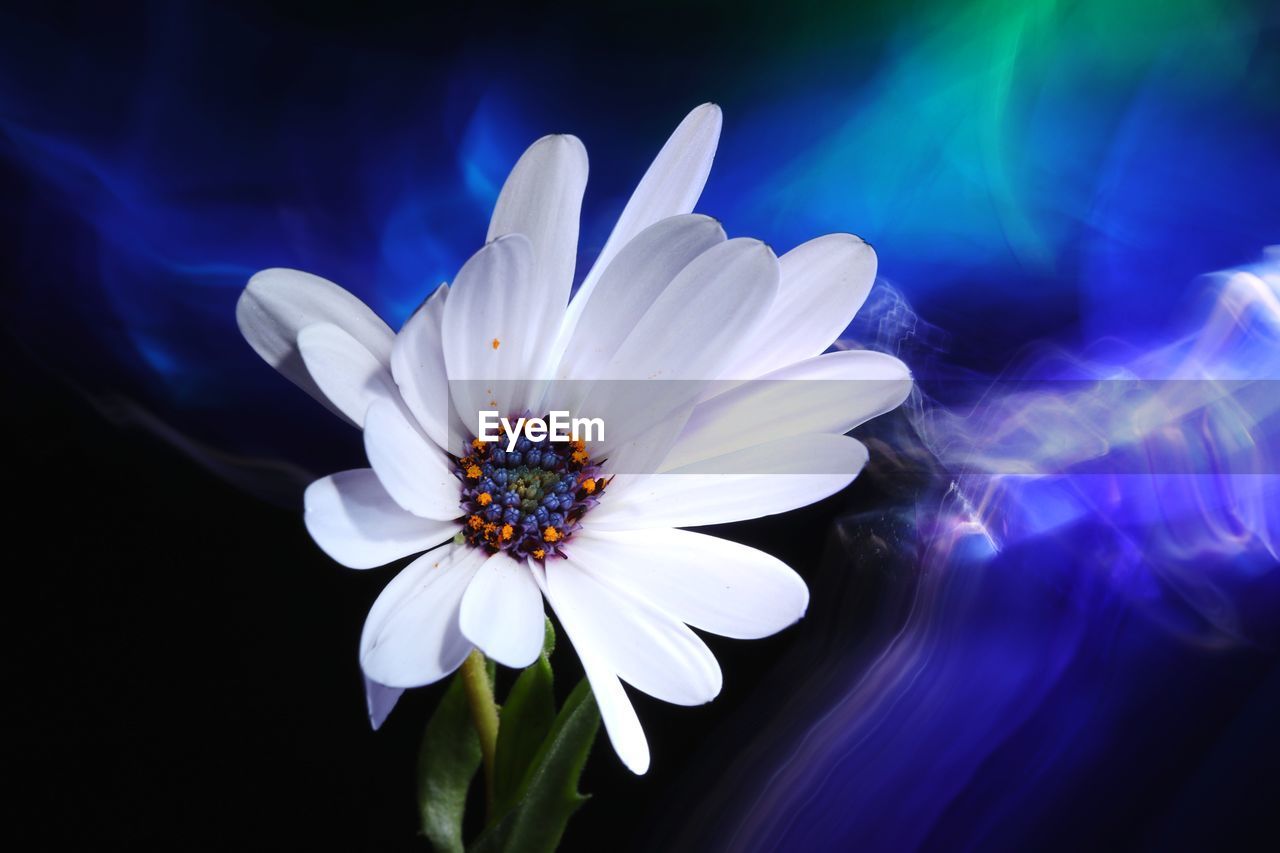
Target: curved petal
[
  {"x": 670, "y": 187},
  {"x": 411, "y": 636},
  {"x": 380, "y": 700},
  {"x": 823, "y": 284},
  {"x": 416, "y": 473},
  {"x": 417, "y": 364},
  {"x": 350, "y": 376},
  {"x": 709, "y": 583},
  {"x": 688, "y": 329},
  {"x": 502, "y": 612},
  {"x": 634, "y": 280},
  {"x": 490, "y": 330},
  {"x": 279, "y": 303},
  {"x": 353, "y": 520},
  {"x": 685, "y": 336},
  {"x": 830, "y": 393},
  {"x": 620, "y": 720},
  {"x": 542, "y": 199},
  {"x": 647, "y": 648},
  {"x": 775, "y": 477}
]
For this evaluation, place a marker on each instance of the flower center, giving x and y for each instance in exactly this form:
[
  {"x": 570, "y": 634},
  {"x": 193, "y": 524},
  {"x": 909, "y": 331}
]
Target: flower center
[{"x": 528, "y": 501}]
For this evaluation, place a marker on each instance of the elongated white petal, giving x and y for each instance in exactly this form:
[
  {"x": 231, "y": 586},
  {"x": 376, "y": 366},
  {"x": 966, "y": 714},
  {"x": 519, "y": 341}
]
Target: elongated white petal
[
  {"x": 490, "y": 329},
  {"x": 824, "y": 282},
  {"x": 411, "y": 636},
  {"x": 648, "y": 649},
  {"x": 688, "y": 329},
  {"x": 353, "y": 520},
  {"x": 709, "y": 583},
  {"x": 502, "y": 612},
  {"x": 830, "y": 393},
  {"x": 634, "y": 280},
  {"x": 350, "y": 376},
  {"x": 279, "y": 303},
  {"x": 685, "y": 336},
  {"x": 670, "y": 187},
  {"x": 413, "y": 470},
  {"x": 619, "y": 715},
  {"x": 417, "y": 364},
  {"x": 380, "y": 700},
  {"x": 542, "y": 199},
  {"x": 777, "y": 476}
]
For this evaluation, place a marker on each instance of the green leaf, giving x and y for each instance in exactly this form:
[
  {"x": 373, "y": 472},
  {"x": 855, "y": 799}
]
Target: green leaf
[
  {"x": 549, "y": 795},
  {"x": 527, "y": 716},
  {"x": 447, "y": 760}
]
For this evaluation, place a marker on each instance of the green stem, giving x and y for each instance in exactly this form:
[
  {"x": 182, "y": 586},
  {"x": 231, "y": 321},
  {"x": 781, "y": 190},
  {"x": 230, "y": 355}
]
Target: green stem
[{"x": 484, "y": 716}]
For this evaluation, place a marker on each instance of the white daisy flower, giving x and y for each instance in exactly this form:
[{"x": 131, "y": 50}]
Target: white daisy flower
[{"x": 669, "y": 297}]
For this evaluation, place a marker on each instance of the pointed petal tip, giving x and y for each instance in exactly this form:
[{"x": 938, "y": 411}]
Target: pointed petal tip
[
  {"x": 708, "y": 110},
  {"x": 379, "y": 701},
  {"x": 558, "y": 144}
]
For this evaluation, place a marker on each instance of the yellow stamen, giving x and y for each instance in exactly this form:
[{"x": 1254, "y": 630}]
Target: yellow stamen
[
  {"x": 589, "y": 485},
  {"x": 474, "y": 522},
  {"x": 538, "y": 553},
  {"x": 484, "y": 499},
  {"x": 550, "y": 534},
  {"x": 579, "y": 456},
  {"x": 507, "y": 531},
  {"x": 473, "y": 472}
]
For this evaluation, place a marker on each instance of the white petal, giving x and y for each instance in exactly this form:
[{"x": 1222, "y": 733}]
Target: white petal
[
  {"x": 709, "y": 583},
  {"x": 349, "y": 374},
  {"x": 830, "y": 393},
  {"x": 619, "y": 715},
  {"x": 634, "y": 280},
  {"x": 670, "y": 187},
  {"x": 353, "y": 520},
  {"x": 647, "y": 648},
  {"x": 417, "y": 364},
  {"x": 380, "y": 699},
  {"x": 824, "y": 283},
  {"x": 542, "y": 199},
  {"x": 712, "y": 301},
  {"x": 279, "y": 303},
  {"x": 777, "y": 477},
  {"x": 502, "y": 612},
  {"x": 491, "y": 337},
  {"x": 413, "y": 470},
  {"x": 411, "y": 636},
  {"x": 685, "y": 335},
  {"x": 620, "y": 720}
]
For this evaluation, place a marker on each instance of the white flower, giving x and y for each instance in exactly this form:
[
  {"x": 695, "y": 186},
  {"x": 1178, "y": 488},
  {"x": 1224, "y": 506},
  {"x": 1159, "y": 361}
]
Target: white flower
[{"x": 668, "y": 297}]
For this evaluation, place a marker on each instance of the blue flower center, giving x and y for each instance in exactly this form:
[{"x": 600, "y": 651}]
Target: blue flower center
[{"x": 527, "y": 501}]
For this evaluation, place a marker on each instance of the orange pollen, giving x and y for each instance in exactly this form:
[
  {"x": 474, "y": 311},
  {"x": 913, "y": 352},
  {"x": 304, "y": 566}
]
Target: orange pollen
[
  {"x": 578, "y": 444},
  {"x": 507, "y": 531},
  {"x": 589, "y": 485},
  {"x": 474, "y": 522},
  {"x": 538, "y": 553},
  {"x": 477, "y": 444},
  {"x": 550, "y": 534},
  {"x": 484, "y": 499},
  {"x": 496, "y": 343},
  {"x": 579, "y": 456},
  {"x": 473, "y": 472}
]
